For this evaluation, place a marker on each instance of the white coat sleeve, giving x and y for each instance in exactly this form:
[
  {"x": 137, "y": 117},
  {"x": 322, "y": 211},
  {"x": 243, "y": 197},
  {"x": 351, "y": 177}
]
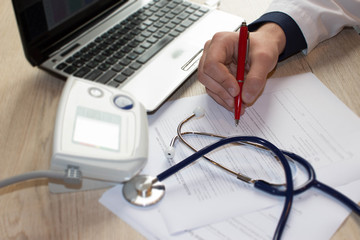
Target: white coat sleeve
[{"x": 319, "y": 19}]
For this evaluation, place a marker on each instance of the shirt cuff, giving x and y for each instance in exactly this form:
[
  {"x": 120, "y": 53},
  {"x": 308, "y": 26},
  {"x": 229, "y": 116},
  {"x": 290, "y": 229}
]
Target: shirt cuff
[{"x": 295, "y": 41}]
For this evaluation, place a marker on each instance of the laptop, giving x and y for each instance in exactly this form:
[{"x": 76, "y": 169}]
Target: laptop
[{"x": 145, "y": 47}]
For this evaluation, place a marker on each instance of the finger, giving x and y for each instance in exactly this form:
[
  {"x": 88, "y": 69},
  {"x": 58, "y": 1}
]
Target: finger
[
  {"x": 252, "y": 89},
  {"x": 260, "y": 66},
  {"x": 212, "y": 86},
  {"x": 216, "y": 62},
  {"x": 229, "y": 105},
  {"x": 217, "y": 90}
]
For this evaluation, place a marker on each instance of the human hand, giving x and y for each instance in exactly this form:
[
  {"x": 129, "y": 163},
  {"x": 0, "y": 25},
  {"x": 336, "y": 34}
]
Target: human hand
[{"x": 218, "y": 64}]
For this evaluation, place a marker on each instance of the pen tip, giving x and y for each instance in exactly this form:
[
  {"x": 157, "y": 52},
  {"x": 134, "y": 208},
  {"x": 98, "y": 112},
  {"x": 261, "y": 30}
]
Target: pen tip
[{"x": 236, "y": 122}]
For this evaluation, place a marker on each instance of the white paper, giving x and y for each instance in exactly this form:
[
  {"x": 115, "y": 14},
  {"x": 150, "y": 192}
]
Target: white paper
[
  {"x": 288, "y": 114},
  {"x": 298, "y": 114},
  {"x": 313, "y": 216}
]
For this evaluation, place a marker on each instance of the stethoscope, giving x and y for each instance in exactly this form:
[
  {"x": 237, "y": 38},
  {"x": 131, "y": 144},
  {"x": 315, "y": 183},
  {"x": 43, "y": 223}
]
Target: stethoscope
[{"x": 144, "y": 190}]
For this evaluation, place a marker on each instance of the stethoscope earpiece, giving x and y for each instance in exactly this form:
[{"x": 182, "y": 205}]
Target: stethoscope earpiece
[
  {"x": 199, "y": 112},
  {"x": 170, "y": 152}
]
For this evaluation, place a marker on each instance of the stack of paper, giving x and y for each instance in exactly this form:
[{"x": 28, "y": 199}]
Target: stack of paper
[{"x": 298, "y": 114}]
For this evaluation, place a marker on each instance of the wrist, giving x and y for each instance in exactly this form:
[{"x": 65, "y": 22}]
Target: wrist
[{"x": 274, "y": 33}]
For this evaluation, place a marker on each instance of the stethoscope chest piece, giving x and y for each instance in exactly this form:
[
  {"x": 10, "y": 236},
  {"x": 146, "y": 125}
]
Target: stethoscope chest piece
[{"x": 143, "y": 191}]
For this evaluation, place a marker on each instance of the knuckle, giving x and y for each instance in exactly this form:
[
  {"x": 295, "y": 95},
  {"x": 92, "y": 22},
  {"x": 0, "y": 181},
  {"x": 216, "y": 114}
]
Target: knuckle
[{"x": 209, "y": 66}]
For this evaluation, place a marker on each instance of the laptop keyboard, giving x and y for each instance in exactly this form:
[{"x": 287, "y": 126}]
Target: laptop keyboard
[{"x": 118, "y": 53}]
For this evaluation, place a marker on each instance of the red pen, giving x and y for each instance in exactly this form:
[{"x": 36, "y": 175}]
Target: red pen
[{"x": 242, "y": 54}]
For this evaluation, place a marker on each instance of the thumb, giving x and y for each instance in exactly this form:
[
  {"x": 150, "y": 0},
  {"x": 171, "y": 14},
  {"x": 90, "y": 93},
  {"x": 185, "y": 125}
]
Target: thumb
[
  {"x": 262, "y": 62},
  {"x": 253, "y": 86}
]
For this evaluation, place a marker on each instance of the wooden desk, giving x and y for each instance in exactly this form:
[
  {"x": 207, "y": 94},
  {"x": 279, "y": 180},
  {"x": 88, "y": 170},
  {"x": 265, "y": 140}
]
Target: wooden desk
[{"x": 28, "y": 103}]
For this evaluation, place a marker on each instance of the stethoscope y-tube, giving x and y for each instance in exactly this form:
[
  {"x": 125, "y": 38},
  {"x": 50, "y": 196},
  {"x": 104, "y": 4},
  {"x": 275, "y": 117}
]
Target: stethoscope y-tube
[{"x": 313, "y": 182}]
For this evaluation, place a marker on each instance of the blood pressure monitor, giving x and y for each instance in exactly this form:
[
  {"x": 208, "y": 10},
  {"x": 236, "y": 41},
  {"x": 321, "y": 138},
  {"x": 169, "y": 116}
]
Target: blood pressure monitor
[{"x": 100, "y": 130}]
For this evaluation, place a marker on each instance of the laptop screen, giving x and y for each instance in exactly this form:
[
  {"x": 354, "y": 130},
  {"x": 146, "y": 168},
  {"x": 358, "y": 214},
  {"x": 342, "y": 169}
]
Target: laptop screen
[{"x": 45, "y": 25}]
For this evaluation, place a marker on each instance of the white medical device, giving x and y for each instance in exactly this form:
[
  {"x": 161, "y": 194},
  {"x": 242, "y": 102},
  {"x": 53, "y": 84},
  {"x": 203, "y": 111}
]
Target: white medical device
[{"x": 100, "y": 130}]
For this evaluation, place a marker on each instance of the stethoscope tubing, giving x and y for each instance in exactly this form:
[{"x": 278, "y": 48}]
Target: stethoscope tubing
[
  {"x": 273, "y": 189},
  {"x": 180, "y": 135},
  {"x": 286, "y": 190},
  {"x": 265, "y": 186},
  {"x": 200, "y": 153},
  {"x": 312, "y": 182},
  {"x": 289, "y": 187}
]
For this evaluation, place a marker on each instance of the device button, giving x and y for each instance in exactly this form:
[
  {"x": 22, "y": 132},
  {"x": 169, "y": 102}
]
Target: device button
[
  {"x": 96, "y": 92},
  {"x": 124, "y": 102}
]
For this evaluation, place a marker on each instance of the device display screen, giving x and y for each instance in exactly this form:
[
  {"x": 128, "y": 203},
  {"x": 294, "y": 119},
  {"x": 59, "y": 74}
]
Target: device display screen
[{"x": 97, "y": 129}]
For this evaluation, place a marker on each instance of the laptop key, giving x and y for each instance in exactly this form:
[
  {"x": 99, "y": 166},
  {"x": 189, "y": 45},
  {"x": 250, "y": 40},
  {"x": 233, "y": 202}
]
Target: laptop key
[
  {"x": 178, "y": 9},
  {"x": 106, "y": 77},
  {"x": 61, "y": 66},
  {"x": 152, "y": 40},
  {"x": 82, "y": 72},
  {"x": 186, "y": 23},
  {"x": 180, "y": 29},
  {"x": 161, "y": 3},
  {"x": 113, "y": 83},
  {"x": 117, "y": 67},
  {"x": 128, "y": 72},
  {"x": 139, "y": 50},
  {"x": 70, "y": 60},
  {"x": 104, "y": 66},
  {"x": 70, "y": 69},
  {"x": 174, "y": 33},
  {"x": 94, "y": 74},
  {"x": 125, "y": 61},
  {"x": 154, "y": 49},
  {"x": 92, "y": 64},
  {"x": 172, "y": 5},
  {"x": 99, "y": 58},
  {"x": 132, "y": 56},
  {"x": 135, "y": 65},
  {"x": 120, "y": 78},
  {"x": 111, "y": 60}
]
